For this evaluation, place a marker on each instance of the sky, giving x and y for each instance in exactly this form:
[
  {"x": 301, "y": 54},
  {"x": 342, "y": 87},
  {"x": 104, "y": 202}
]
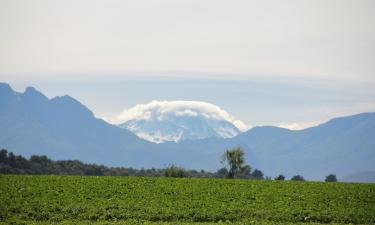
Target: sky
[{"x": 292, "y": 63}]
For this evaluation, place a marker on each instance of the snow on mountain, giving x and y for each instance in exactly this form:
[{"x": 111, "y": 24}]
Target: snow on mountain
[{"x": 162, "y": 121}]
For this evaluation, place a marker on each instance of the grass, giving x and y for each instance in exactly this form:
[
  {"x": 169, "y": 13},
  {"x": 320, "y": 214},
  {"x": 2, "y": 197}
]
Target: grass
[{"x": 28, "y": 199}]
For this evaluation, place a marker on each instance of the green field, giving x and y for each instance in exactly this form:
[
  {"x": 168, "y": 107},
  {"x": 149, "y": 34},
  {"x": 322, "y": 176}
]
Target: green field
[{"x": 137, "y": 200}]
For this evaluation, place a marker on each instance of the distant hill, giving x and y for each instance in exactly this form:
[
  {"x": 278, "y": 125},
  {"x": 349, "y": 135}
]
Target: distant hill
[
  {"x": 361, "y": 177},
  {"x": 340, "y": 146},
  {"x": 63, "y": 128}
]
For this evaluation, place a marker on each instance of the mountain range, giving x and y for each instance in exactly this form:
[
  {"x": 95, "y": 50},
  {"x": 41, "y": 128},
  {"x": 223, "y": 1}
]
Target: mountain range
[{"x": 63, "y": 128}]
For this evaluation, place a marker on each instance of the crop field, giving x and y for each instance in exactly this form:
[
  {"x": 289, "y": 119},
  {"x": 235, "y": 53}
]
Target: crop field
[{"x": 140, "y": 200}]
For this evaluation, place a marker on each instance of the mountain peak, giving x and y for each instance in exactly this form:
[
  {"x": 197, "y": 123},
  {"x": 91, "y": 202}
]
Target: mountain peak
[
  {"x": 6, "y": 94},
  {"x": 32, "y": 92},
  {"x": 5, "y": 86},
  {"x": 162, "y": 121},
  {"x": 71, "y": 105},
  {"x": 65, "y": 98},
  {"x": 5, "y": 89}
]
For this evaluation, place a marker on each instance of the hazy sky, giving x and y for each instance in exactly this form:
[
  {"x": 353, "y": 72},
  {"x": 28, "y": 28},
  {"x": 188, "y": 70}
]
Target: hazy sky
[
  {"x": 88, "y": 48},
  {"x": 317, "y": 38}
]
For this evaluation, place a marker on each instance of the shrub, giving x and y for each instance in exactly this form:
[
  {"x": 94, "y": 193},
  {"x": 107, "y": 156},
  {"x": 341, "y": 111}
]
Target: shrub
[
  {"x": 331, "y": 178},
  {"x": 175, "y": 171},
  {"x": 298, "y": 178},
  {"x": 280, "y": 177},
  {"x": 257, "y": 174}
]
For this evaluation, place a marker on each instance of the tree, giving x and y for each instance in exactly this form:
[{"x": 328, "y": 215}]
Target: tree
[
  {"x": 280, "y": 177},
  {"x": 331, "y": 178},
  {"x": 12, "y": 159},
  {"x": 234, "y": 160},
  {"x": 222, "y": 172},
  {"x": 175, "y": 171},
  {"x": 3, "y": 156},
  {"x": 257, "y": 174},
  {"x": 246, "y": 171},
  {"x": 298, "y": 178}
]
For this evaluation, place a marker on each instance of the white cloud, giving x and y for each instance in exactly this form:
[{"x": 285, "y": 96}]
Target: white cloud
[
  {"x": 161, "y": 110},
  {"x": 187, "y": 112},
  {"x": 297, "y": 126}
]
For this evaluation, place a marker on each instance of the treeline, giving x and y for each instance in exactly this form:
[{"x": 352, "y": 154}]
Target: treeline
[
  {"x": 17, "y": 164},
  {"x": 233, "y": 159}
]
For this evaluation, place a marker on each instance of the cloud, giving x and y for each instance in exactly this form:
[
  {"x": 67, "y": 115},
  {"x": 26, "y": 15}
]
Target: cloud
[
  {"x": 163, "y": 110},
  {"x": 297, "y": 126},
  {"x": 186, "y": 112}
]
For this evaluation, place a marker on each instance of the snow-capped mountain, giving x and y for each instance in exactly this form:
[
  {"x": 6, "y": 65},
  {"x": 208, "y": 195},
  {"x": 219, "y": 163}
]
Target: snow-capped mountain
[
  {"x": 63, "y": 128},
  {"x": 161, "y": 121}
]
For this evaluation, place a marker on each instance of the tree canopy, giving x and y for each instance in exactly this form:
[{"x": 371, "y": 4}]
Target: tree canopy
[
  {"x": 298, "y": 178},
  {"x": 331, "y": 178},
  {"x": 234, "y": 160}
]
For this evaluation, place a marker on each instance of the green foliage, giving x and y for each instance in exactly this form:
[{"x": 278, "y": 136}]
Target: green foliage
[
  {"x": 12, "y": 164},
  {"x": 245, "y": 172},
  {"x": 222, "y": 172},
  {"x": 16, "y": 164},
  {"x": 280, "y": 177},
  {"x": 297, "y": 178},
  {"x": 174, "y": 171},
  {"x": 234, "y": 159},
  {"x": 331, "y": 178},
  {"x": 28, "y": 199},
  {"x": 257, "y": 174}
]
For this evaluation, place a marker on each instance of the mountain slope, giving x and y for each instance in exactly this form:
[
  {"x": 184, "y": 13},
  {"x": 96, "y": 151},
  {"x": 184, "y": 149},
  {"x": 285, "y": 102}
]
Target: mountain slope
[
  {"x": 60, "y": 127},
  {"x": 340, "y": 146}
]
